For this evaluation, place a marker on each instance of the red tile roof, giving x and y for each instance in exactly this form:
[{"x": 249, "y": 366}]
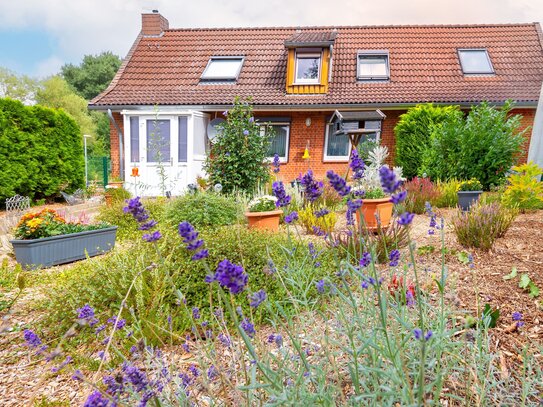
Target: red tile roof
[{"x": 424, "y": 66}]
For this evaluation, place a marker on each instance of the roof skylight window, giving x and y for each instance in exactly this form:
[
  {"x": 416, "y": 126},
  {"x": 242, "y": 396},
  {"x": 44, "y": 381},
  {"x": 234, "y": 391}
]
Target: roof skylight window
[
  {"x": 475, "y": 61},
  {"x": 223, "y": 69}
]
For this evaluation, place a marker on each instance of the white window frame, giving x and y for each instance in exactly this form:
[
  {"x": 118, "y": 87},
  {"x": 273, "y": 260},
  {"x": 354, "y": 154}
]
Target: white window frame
[
  {"x": 287, "y": 124},
  {"x": 373, "y": 53},
  {"x": 239, "y": 58},
  {"x": 341, "y": 158},
  {"x": 300, "y": 54},
  {"x": 459, "y": 52}
]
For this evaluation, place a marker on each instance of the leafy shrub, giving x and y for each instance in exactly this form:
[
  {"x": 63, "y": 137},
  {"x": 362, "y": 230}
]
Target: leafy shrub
[
  {"x": 309, "y": 220},
  {"x": 470, "y": 185},
  {"x": 413, "y": 133},
  {"x": 482, "y": 225},
  {"x": 447, "y": 196},
  {"x": 524, "y": 191},
  {"x": 118, "y": 194},
  {"x": 127, "y": 226},
  {"x": 105, "y": 281},
  {"x": 43, "y": 148},
  {"x": 203, "y": 209},
  {"x": 419, "y": 191},
  {"x": 237, "y": 157},
  {"x": 484, "y": 146}
]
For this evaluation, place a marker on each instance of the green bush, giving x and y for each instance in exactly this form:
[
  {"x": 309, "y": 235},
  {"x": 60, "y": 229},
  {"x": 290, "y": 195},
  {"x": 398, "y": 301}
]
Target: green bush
[
  {"x": 525, "y": 190},
  {"x": 413, "y": 133},
  {"x": 118, "y": 194},
  {"x": 447, "y": 196},
  {"x": 237, "y": 157},
  {"x": 483, "y": 146},
  {"x": 43, "y": 148},
  {"x": 104, "y": 281},
  {"x": 204, "y": 209},
  {"x": 482, "y": 225}
]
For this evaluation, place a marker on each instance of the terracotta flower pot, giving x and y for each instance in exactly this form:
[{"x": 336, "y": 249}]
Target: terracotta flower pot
[
  {"x": 264, "y": 220},
  {"x": 372, "y": 207}
]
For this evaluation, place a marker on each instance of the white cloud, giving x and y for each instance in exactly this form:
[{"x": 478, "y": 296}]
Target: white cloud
[
  {"x": 90, "y": 26},
  {"x": 47, "y": 67}
]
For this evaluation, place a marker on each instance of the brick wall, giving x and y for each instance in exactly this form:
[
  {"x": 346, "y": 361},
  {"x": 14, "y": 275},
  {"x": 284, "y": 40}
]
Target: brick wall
[
  {"x": 114, "y": 140},
  {"x": 528, "y": 116}
]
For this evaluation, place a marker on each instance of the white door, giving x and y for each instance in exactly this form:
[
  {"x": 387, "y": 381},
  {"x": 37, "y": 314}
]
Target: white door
[{"x": 158, "y": 146}]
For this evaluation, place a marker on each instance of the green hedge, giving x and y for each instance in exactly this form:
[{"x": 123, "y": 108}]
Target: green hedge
[{"x": 40, "y": 150}]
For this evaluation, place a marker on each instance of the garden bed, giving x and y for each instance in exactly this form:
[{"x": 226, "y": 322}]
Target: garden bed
[{"x": 469, "y": 288}]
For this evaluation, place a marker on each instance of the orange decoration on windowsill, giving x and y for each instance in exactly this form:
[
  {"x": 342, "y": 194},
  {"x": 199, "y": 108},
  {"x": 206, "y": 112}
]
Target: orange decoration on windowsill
[{"x": 135, "y": 172}]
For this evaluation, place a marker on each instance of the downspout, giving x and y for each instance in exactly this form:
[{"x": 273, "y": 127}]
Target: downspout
[{"x": 121, "y": 148}]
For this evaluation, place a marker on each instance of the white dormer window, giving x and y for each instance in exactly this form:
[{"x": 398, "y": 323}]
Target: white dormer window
[
  {"x": 475, "y": 61},
  {"x": 223, "y": 69},
  {"x": 308, "y": 66},
  {"x": 373, "y": 65}
]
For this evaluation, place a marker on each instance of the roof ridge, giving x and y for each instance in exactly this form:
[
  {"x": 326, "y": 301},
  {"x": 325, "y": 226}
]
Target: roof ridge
[{"x": 331, "y": 27}]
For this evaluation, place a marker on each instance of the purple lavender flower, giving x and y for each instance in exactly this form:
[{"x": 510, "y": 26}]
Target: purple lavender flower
[
  {"x": 248, "y": 327},
  {"x": 245, "y": 132},
  {"x": 31, "y": 338},
  {"x": 321, "y": 213},
  {"x": 86, "y": 315},
  {"x": 409, "y": 299},
  {"x": 320, "y": 286},
  {"x": 517, "y": 316},
  {"x": 66, "y": 361},
  {"x": 352, "y": 207},
  {"x": 78, "y": 375},
  {"x": 225, "y": 340},
  {"x": 338, "y": 183},
  {"x": 152, "y": 237},
  {"x": 278, "y": 190},
  {"x": 202, "y": 254},
  {"x": 136, "y": 209},
  {"x": 394, "y": 257},
  {"x": 190, "y": 238},
  {"x": 196, "y": 313},
  {"x": 399, "y": 197},
  {"x": 96, "y": 399},
  {"x": 257, "y": 298},
  {"x": 406, "y": 218},
  {"x": 291, "y": 217},
  {"x": 231, "y": 276},
  {"x": 276, "y": 163},
  {"x": 428, "y": 335},
  {"x": 134, "y": 376},
  {"x": 148, "y": 225},
  {"x": 365, "y": 260},
  {"x": 417, "y": 333},
  {"x": 212, "y": 372},
  {"x": 388, "y": 180},
  {"x": 312, "y": 188},
  {"x": 364, "y": 284},
  {"x": 119, "y": 324},
  {"x": 356, "y": 164},
  {"x": 114, "y": 385}
]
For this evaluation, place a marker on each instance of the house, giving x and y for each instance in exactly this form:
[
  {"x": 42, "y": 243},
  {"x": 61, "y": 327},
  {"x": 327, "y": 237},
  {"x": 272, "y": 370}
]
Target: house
[{"x": 174, "y": 85}]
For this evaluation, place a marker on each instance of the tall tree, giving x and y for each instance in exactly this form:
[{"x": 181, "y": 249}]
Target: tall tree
[
  {"x": 93, "y": 75},
  {"x": 18, "y": 87}
]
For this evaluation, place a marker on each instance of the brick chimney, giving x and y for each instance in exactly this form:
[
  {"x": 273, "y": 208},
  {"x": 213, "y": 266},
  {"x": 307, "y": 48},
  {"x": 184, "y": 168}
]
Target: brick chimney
[{"x": 153, "y": 24}]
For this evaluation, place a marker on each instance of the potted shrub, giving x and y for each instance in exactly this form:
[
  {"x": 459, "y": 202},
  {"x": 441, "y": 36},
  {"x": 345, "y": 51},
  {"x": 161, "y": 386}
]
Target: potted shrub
[
  {"x": 468, "y": 193},
  {"x": 44, "y": 239},
  {"x": 263, "y": 214},
  {"x": 376, "y": 204}
]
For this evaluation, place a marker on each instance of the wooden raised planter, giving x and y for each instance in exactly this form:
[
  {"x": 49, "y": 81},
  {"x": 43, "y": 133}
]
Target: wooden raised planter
[
  {"x": 50, "y": 251},
  {"x": 372, "y": 207},
  {"x": 264, "y": 220}
]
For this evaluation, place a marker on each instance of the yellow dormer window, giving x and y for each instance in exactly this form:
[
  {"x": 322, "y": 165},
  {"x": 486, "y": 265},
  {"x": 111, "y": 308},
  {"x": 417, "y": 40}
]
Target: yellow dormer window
[{"x": 308, "y": 64}]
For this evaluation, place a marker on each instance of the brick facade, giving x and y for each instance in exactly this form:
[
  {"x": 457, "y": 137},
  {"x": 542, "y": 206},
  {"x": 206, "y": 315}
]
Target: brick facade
[{"x": 300, "y": 134}]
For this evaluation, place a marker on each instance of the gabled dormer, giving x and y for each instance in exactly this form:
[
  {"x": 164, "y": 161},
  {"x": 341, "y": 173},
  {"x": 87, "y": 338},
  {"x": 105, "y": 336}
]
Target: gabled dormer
[{"x": 309, "y": 62}]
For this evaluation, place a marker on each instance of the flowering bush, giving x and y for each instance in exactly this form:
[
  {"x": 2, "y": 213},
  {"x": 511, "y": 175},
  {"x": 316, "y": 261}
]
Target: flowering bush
[
  {"x": 47, "y": 223},
  {"x": 524, "y": 191},
  {"x": 447, "y": 196},
  {"x": 482, "y": 225},
  {"x": 314, "y": 219},
  {"x": 470, "y": 185},
  {"x": 264, "y": 203},
  {"x": 419, "y": 191}
]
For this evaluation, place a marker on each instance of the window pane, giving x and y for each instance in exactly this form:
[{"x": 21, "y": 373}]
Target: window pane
[
  {"x": 223, "y": 69},
  {"x": 278, "y": 143},
  {"x": 307, "y": 68},
  {"x": 182, "y": 153},
  {"x": 158, "y": 141},
  {"x": 135, "y": 139},
  {"x": 475, "y": 61},
  {"x": 374, "y": 66},
  {"x": 337, "y": 146}
]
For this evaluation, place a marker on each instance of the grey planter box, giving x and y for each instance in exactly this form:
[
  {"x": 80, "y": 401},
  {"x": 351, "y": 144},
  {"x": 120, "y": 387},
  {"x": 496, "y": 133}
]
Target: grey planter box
[
  {"x": 50, "y": 251},
  {"x": 467, "y": 198}
]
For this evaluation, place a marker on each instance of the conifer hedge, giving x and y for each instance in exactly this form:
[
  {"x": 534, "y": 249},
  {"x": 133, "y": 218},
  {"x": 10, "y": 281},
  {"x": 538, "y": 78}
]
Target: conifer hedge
[{"x": 41, "y": 151}]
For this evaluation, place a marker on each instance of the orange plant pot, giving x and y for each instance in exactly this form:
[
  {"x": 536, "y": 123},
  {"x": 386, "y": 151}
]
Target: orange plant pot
[
  {"x": 371, "y": 208},
  {"x": 264, "y": 220}
]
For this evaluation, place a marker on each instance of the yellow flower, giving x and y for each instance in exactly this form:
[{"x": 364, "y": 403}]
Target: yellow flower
[{"x": 34, "y": 223}]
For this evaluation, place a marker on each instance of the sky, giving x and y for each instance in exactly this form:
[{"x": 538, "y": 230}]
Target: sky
[{"x": 38, "y": 36}]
